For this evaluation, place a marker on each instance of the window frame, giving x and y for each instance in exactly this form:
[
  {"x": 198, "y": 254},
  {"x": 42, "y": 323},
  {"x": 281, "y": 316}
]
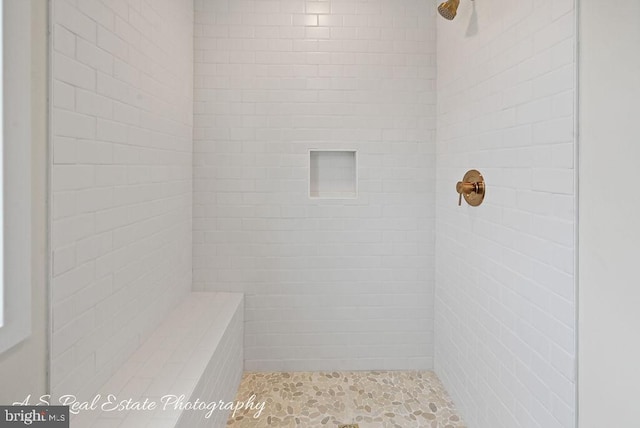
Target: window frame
[
  {"x": 16, "y": 195},
  {"x": 1, "y": 166}
]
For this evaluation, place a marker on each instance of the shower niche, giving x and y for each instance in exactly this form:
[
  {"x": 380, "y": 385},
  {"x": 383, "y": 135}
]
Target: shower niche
[{"x": 333, "y": 174}]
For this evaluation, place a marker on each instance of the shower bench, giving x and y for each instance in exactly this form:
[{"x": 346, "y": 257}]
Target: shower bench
[{"x": 197, "y": 352}]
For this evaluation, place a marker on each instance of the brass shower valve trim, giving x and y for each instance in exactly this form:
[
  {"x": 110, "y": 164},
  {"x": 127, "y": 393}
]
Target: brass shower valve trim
[{"x": 472, "y": 188}]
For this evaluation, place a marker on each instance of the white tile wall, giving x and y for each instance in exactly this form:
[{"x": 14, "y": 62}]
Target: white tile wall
[
  {"x": 505, "y": 271},
  {"x": 122, "y": 123},
  {"x": 330, "y": 284}
]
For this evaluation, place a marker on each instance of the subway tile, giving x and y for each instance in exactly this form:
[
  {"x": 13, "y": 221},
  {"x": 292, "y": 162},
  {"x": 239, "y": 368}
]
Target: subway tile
[
  {"x": 258, "y": 231},
  {"x": 67, "y": 15},
  {"x": 64, "y": 41},
  {"x": 98, "y": 95},
  {"x": 529, "y": 249},
  {"x": 94, "y": 57},
  {"x": 73, "y": 72}
]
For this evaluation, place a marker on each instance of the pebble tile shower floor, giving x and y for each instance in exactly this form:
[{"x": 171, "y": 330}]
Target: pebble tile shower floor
[{"x": 377, "y": 399}]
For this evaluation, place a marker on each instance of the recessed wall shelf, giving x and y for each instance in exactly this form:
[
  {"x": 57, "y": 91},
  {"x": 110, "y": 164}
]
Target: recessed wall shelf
[{"x": 333, "y": 174}]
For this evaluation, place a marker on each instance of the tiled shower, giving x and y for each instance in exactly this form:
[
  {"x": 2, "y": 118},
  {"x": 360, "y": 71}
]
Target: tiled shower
[{"x": 185, "y": 136}]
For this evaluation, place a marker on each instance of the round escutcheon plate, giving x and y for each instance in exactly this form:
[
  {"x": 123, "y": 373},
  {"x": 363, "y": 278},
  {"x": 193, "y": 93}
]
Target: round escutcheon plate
[{"x": 474, "y": 198}]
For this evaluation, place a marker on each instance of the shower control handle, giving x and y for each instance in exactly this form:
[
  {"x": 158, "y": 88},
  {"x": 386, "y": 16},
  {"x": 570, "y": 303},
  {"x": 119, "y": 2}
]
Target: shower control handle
[
  {"x": 467, "y": 188},
  {"x": 472, "y": 188}
]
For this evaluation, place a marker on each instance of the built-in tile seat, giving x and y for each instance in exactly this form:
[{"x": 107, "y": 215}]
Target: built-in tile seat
[{"x": 197, "y": 352}]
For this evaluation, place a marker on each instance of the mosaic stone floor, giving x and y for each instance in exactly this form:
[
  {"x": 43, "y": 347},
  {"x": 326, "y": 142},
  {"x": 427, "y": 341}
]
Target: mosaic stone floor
[{"x": 370, "y": 399}]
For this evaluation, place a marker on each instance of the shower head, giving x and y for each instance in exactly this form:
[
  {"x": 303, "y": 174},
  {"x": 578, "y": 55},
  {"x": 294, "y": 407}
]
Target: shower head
[{"x": 448, "y": 9}]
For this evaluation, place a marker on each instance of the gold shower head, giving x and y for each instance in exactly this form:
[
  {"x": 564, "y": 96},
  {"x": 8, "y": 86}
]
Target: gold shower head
[{"x": 448, "y": 9}]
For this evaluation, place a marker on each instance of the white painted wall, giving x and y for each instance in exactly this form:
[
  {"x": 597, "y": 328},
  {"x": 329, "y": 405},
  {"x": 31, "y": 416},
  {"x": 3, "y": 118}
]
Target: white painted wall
[
  {"x": 121, "y": 179},
  {"x": 330, "y": 284},
  {"x": 609, "y": 374},
  {"x": 505, "y": 270},
  {"x": 23, "y": 368}
]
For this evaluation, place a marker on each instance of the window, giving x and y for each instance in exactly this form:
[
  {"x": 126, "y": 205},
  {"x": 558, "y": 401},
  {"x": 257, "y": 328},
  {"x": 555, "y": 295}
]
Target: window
[
  {"x": 15, "y": 237},
  {"x": 1, "y": 172}
]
